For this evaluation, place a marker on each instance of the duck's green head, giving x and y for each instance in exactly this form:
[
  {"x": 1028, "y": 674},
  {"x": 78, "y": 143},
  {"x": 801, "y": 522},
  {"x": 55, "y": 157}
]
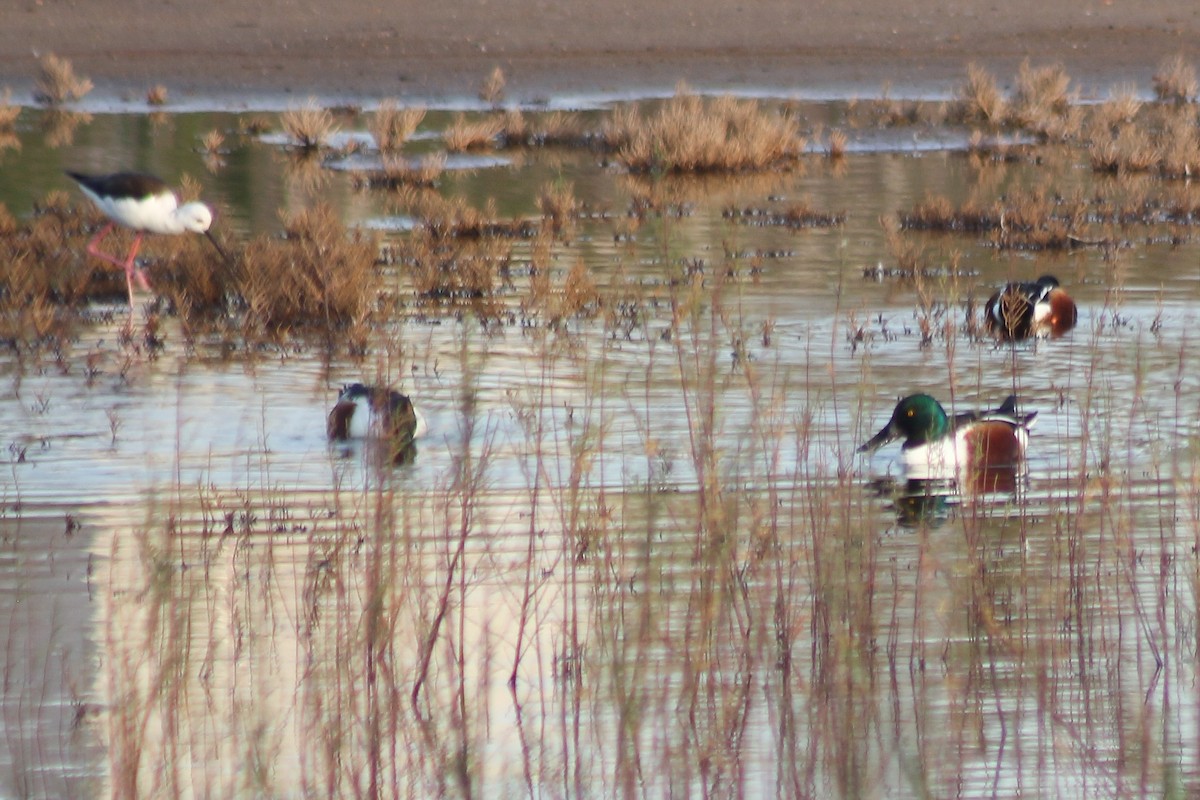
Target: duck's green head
[{"x": 918, "y": 419}]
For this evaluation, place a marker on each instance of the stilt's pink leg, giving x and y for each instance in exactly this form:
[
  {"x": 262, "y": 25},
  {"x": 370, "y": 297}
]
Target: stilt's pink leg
[
  {"x": 94, "y": 246},
  {"x": 132, "y": 271}
]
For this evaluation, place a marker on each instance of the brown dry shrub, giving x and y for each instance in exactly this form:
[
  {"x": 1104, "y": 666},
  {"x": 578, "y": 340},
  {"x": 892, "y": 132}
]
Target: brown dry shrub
[
  {"x": 479, "y": 134},
  {"x": 558, "y": 129},
  {"x": 8, "y": 111},
  {"x": 688, "y": 134},
  {"x": 1043, "y": 95},
  {"x": 392, "y": 126},
  {"x": 1120, "y": 108},
  {"x": 980, "y": 99},
  {"x": 399, "y": 172},
  {"x": 45, "y": 275},
  {"x": 211, "y": 142},
  {"x": 454, "y": 218},
  {"x": 491, "y": 91},
  {"x": 580, "y": 295},
  {"x": 616, "y": 131},
  {"x": 318, "y": 273},
  {"x": 308, "y": 125},
  {"x": 1175, "y": 80},
  {"x": 156, "y": 95},
  {"x": 450, "y": 270},
  {"x": 558, "y": 205},
  {"x": 56, "y": 82},
  {"x": 515, "y": 129},
  {"x": 836, "y": 144}
]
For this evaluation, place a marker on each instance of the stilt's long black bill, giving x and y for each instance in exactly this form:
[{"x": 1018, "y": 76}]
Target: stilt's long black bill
[{"x": 217, "y": 245}]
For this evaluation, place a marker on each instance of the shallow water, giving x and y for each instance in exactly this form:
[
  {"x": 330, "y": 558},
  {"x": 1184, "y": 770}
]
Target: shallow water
[{"x": 661, "y": 529}]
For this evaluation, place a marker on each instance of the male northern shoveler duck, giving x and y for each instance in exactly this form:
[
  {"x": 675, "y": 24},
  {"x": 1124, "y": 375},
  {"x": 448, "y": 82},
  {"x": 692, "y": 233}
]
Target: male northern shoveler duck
[
  {"x": 1037, "y": 308},
  {"x": 147, "y": 205},
  {"x": 373, "y": 412},
  {"x": 939, "y": 446}
]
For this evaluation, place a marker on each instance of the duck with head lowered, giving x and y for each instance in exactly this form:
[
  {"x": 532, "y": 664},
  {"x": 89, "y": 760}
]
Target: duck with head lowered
[
  {"x": 378, "y": 414},
  {"x": 1031, "y": 308}
]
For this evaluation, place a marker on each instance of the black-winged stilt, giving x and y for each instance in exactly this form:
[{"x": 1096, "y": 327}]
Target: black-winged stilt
[{"x": 147, "y": 205}]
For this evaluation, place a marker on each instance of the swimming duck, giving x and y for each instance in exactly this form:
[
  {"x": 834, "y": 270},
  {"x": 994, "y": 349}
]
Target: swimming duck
[
  {"x": 937, "y": 445},
  {"x": 1037, "y": 308},
  {"x": 373, "y": 412}
]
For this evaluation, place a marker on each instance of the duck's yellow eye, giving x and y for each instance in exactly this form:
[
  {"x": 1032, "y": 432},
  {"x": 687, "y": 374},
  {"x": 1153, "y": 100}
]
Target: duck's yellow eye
[{"x": 910, "y": 412}]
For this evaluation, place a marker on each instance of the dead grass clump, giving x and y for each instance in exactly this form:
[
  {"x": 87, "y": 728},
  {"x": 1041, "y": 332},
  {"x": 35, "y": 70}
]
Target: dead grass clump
[
  {"x": 43, "y": 267},
  {"x": 9, "y": 111},
  {"x": 689, "y": 134},
  {"x": 1043, "y": 97},
  {"x": 492, "y": 89},
  {"x": 616, "y": 131},
  {"x": 937, "y": 213},
  {"x": 447, "y": 270},
  {"x": 1024, "y": 220},
  {"x": 211, "y": 142},
  {"x": 256, "y": 125},
  {"x": 580, "y": 295},
  {"x": 1179, "y": 148},
  {"x": 455, "y": 218},
  {"x": 392, "y": 126},
  {"x": 1120, "y": 108},
  {"x": 57, "y": 83},
  {"x": 1175, "y": 80},
  {"x": 558, "y": 205},
  {"x": 399, "y": 172},
  {"x": 308, "y": 125},
  {"x": 319, "y": 273},
  {"x": 1167, "y": 144},
  {"x": 515, "y": 129},
  {"x": 980, "y": 99},
  {"x": 836, "y": 144},
  {"x": 478, "y": 134},
  {"x": 156, "y": 95},
  {"x": 799, "y": 214},
  {"x": 559, "y": 129}
]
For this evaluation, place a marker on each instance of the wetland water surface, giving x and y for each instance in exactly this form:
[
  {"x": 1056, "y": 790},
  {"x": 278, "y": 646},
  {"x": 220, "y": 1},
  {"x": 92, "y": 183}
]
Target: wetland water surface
[{"x": 636, "y": 553}]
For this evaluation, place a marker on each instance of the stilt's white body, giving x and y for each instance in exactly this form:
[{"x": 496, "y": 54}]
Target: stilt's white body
[{"x": 155, "y": 213}]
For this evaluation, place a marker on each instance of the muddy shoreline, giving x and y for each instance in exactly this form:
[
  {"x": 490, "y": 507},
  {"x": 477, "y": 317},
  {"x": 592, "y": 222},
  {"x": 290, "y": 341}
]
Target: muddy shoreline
[{"x": 361, "y": 49}]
